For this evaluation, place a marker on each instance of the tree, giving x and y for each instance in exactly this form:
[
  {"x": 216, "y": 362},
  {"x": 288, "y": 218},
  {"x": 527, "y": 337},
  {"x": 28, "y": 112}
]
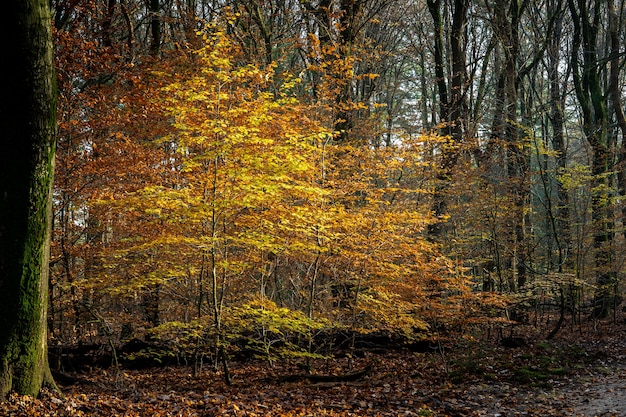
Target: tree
[
  {"x": 452, "y": 104},
  {"x": 588, "y": 68},
  {"x": 557, "y": 123},
  {"x": 28, "y": 117}
]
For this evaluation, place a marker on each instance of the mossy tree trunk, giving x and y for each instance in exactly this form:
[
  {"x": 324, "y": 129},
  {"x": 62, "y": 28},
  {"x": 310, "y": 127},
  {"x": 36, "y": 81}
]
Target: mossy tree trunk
[{"x": 27, "y": 147}]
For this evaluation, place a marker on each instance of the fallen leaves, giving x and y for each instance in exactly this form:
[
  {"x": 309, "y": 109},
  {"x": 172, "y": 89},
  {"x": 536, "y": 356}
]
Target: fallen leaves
[
  {"x": 400, "y": 383},
  {"x": 174, "y": 392}
]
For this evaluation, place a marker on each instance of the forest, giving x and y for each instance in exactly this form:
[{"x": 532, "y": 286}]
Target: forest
[{"x": 337, "y": 207}]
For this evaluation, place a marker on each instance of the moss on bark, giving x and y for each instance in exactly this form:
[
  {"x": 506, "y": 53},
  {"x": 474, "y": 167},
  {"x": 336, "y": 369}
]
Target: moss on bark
[{"x": 28, "y": 117}]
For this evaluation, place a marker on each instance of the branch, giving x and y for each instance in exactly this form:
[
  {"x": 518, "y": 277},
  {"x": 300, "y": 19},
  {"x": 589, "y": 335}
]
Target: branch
[{"x": 353, "y": 376}]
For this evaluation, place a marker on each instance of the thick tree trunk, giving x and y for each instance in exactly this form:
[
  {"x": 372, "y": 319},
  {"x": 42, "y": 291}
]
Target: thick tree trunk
[{"x": 27, "y": 146}]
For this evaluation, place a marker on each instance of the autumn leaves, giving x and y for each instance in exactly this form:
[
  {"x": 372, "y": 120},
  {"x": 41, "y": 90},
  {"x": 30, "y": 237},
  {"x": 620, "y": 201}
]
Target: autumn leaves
[{"x": 258, "y": 208}]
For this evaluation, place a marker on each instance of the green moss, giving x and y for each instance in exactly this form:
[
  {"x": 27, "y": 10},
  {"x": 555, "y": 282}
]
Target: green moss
[
  {"x": 532, "y": 376},
  {"x": 466, "y": 367},
  {"x": 25, "y": 213},
  {"x": 558, "y": 371}
]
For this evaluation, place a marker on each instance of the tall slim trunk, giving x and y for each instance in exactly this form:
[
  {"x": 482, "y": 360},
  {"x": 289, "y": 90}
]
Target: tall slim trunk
[
  {"x": 557, "y": 121},
  {"x": 507, "y": 130},
  {"x": 28, "y": 119},
  {"x": 155, "y": 27},
  {"x": 336, "y": 30},
  {"x": 587, "y": 66},
  {"x": 616, "y": 98},
  {"x": 348, "y": 29},
  {"x": 107, "y": 24},
  {"x": 452, "y": 102}
]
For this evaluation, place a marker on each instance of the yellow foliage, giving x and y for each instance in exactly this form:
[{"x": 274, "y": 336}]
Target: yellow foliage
[{"x": 259, "y": 208}]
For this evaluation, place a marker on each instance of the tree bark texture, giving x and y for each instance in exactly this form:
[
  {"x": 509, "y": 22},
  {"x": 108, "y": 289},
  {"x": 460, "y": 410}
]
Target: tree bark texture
[{"x": 27, "y": 141}]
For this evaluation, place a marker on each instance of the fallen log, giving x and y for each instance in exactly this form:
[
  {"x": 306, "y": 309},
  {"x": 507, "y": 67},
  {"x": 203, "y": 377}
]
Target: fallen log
[{"x": 314, "y": 378}]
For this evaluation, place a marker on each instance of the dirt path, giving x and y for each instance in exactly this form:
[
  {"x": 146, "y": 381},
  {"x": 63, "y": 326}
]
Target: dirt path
[
  {"x": 599, "y": 395},
  {"x": 593, "y": 387}
]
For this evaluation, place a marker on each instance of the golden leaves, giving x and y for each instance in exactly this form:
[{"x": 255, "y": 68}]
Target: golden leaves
[{"x": 254, "y": 200}]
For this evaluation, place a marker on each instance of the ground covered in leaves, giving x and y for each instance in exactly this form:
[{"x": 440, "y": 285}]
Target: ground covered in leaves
[{"x": 579, "y": 374}]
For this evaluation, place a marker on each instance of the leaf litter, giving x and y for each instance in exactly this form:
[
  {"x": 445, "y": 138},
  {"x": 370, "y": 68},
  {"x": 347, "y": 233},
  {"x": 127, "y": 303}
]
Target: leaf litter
[{"x": 566, "y": 378}]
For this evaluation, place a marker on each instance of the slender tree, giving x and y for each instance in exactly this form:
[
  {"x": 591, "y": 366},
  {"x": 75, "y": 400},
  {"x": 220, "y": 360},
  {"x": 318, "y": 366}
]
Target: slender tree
[
  {"x": 155, "y": 27},
  {"x": 506, "y": 131},
  {"x": 588, "y": 66},
  {"x": 557, "y": 122},
  {"x": 452, "y": 106},
  {"x": 28, "y": 118},
  {"x": 615, "y": 81}
]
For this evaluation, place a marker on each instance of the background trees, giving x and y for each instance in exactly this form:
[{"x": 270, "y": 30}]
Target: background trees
[{"x": 381, "y": 165}]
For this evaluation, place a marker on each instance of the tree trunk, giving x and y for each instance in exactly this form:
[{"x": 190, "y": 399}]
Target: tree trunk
[
  {"x": 557, "y": 121},
  {"x": 615, "y": 92},
  {"x": 28, "y": 119},
  {"x": 155, "y": 27},
  {"x": 452, "y": 105},
  {"x": 593, "y": 102},
  {"x": 507, "y": 131}
]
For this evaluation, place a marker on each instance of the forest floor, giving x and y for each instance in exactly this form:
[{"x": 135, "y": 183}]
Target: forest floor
[{"x": 579, "y": 373}]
